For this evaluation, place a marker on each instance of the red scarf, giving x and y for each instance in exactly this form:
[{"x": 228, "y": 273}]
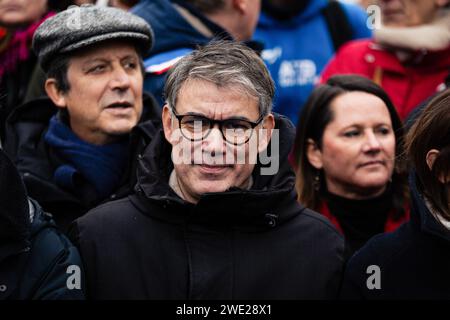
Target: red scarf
[{"x": 16, "y": 47}]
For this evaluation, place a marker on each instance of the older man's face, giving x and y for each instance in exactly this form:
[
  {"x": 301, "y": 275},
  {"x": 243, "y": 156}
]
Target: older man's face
[
  {"x": 212, "y": 166},
  {"x": 105, "y": 96}
]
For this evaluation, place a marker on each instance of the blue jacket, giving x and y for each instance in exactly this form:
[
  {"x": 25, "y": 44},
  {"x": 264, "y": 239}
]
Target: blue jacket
[
  {"x": 298, "y": 49},
  {"x": 174, "y": 38}
]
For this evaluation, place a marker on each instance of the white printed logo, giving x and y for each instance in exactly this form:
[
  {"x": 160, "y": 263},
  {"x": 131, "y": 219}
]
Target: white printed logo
[
  {"x": 271, "y": 55},
  {"x": 297, "y": 73}
]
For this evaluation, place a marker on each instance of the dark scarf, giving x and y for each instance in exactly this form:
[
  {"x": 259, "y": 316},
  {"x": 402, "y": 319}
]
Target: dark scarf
[
  {"x": 360, "y": 220},
  {"x": 101, "y": 166}
]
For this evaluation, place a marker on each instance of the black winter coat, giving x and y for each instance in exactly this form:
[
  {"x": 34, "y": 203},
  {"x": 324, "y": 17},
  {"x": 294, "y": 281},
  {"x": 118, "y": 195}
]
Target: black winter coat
[
  {"x": 413, "y": 261},
  {"x": 34, "y": 255},
  {"x": 239, "y": 244},
  {"x": 36, "y": 161}
]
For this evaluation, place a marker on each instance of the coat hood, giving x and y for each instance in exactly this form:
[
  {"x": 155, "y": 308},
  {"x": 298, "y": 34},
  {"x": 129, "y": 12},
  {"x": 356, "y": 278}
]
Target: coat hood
[
  {"x": 267, "y": 202},
  {"x": 312, "y": 9},
  {"x": 171, "y": 29},
  {"x": 421, "y": 215}
]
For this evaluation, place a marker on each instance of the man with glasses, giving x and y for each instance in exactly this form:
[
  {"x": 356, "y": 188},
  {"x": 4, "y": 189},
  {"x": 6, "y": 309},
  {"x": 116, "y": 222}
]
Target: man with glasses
[{"x": 207, "y": 221}]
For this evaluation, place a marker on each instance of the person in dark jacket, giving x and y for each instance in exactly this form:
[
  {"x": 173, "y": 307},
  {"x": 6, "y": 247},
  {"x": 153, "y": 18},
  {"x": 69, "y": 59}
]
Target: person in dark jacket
[
  {"x": 74, "y": 149},
  {"x": 214, "y": 216},
  {"x": 182, "y": 25},
  {"x": 36, "y": 261},
  {"x": 347, "y": 154},
  {"x": 413, "y": 262}
]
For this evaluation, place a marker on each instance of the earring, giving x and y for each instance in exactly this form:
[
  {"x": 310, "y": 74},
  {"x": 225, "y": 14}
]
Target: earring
[{"x": 316, "y": 182}]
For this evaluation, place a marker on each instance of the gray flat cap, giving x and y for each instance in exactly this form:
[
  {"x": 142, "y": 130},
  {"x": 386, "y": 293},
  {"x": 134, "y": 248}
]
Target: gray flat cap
[{"x": 79, "y": 27}]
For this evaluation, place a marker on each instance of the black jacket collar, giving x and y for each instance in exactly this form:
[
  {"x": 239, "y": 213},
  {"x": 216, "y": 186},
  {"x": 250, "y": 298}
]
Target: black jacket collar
[{"x": 421, "y": 217}]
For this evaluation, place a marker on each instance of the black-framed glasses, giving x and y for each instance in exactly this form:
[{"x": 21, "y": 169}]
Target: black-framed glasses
[{"x": 196, "y": 127}]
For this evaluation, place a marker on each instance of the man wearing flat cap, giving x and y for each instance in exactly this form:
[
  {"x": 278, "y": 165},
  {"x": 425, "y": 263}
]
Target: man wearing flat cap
[{"x": 77, "y": 148}]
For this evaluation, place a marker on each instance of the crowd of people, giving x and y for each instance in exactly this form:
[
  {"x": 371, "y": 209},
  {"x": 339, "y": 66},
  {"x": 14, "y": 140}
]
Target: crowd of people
[{"x": 228, "y": 149}]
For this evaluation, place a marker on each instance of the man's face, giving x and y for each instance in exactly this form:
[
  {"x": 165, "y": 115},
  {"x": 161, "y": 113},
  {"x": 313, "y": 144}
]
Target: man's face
[
  {"x": 408, "y": 13},
  {"x": 105, "y": 96},
  {"x": 15, "y": 13},
  {"x": 209, "y": 168}
]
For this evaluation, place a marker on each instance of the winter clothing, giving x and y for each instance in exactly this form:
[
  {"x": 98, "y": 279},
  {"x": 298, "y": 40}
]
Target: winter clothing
[
  {"x": 296, "y": 50},
  {"x": 407, "y": 74},
  {"x": 417, "y": 111},
  {"x": 238, "y": 244},
  {"x": 360, "y": 220},
  {"x": 79, "y": 27},
  {"x": 413, "y": 260},
  {"x": 100, "y": 165},
  {"x": 34, "y": 255},
  {"x": 179, "y": 29},
  {"x": 62, "y": 176},
  {"x": 16, "y": 63}
]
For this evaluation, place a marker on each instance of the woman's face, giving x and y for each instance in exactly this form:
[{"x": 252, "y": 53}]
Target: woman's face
[
  {"x": 358, "y": 146},
  {"x": 16, "y": 13},
  {"x": 408, "y": 13}
]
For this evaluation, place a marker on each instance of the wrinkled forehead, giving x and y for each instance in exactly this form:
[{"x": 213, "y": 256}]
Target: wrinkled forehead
[{"x": 216, "y": 100}]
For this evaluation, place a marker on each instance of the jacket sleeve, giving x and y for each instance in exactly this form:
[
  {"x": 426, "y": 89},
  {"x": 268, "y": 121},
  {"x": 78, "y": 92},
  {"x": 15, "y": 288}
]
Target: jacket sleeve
[
  {"x": 54, "y": 269},
  {"x": 64, "y": 279}
]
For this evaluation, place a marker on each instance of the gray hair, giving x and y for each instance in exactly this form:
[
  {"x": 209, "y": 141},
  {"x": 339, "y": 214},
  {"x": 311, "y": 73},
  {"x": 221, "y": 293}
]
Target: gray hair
[{"x": 226, "y": 64}]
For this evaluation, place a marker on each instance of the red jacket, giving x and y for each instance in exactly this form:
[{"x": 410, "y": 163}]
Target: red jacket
[{"x": 407, "y": 85}]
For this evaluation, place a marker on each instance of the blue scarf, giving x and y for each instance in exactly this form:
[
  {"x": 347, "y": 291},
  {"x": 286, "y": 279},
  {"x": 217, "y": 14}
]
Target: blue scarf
[{"x": 101, "y": 166}]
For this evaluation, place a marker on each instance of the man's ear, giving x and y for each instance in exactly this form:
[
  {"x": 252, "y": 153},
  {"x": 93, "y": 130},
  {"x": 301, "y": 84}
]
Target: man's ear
[
  {"x": 314, "y": 154},
  {"x": 240, "y": 5},
  {"x": 167, "y": 123},
  {"x": 264, "y": 138},
  {"x": 54, "y": 93}
]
